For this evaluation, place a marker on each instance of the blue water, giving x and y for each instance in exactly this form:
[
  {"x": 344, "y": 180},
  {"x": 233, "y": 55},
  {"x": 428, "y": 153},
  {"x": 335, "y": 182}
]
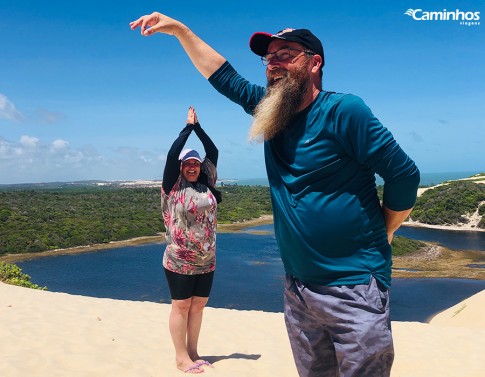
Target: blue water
[
  {"x": 431, "y": 179},
  {"x": 249, "y": 276},
  {"x": 427, "y": 179},
  {"x": 452, "y": 239}
]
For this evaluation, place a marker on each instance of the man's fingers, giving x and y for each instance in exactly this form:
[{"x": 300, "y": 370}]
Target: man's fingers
[
  {"x": 148, "y": 24},
  {"x": 144, "y": 29},
  {"x": 135, "y": 24}
]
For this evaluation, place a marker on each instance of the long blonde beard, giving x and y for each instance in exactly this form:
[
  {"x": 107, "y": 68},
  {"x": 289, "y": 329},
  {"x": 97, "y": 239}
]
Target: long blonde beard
[
  {"x": 279, "y": 105},
  {"x": 267, "y": 116}
]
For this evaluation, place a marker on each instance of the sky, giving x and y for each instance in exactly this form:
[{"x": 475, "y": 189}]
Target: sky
[{"x": 83, "y": 97}]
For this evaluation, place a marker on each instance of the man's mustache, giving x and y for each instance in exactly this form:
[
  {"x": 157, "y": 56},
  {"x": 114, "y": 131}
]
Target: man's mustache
[{"x": 276, "y": 76}]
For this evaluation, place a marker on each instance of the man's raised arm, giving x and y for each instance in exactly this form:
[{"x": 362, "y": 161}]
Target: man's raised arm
[{"x": 204, "y": 57}]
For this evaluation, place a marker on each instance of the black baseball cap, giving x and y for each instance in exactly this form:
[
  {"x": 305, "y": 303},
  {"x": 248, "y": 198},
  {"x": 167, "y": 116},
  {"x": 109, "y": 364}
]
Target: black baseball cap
[{"x": 260, "y": 41}]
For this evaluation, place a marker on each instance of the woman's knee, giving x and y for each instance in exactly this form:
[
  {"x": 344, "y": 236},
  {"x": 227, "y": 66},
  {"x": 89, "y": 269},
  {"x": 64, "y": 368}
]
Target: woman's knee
[
  {"x": 198, "y": 303},
  {"x": 182, "y": 306}
]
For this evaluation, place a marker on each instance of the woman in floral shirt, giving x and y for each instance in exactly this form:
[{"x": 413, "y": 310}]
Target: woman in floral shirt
[{"x": 189, "y": 204}]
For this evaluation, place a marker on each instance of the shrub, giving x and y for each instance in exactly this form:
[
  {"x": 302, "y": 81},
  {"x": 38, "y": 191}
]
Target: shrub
[
  {"x": 449, "y": 203},
  {"x": 12, "y": 274},
  {"x": 403, "y": 245}
]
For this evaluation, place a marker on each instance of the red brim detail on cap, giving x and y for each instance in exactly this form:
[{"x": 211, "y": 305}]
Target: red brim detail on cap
[{"x": 259, "y": 42}]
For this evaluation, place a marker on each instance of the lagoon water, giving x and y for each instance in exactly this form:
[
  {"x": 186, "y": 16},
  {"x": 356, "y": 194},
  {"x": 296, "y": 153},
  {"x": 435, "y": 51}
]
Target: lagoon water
[
  {"x": 452, "y": 239},
  {"x": 427, "y": 179},
  {"x": 249, "y": 276}
]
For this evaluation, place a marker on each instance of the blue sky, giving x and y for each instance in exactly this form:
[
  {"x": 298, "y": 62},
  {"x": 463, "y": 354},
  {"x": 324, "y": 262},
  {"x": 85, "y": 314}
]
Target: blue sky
[{"x": 84, "y": 97}]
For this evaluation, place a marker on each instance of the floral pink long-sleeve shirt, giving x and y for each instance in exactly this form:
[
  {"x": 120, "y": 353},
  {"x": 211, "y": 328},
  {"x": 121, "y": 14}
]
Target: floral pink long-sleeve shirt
[{"x": 190, "y": 216}]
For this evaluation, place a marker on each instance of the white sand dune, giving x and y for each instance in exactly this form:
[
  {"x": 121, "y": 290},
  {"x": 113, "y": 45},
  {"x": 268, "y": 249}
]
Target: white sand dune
[{"x": 55, "y": 334}]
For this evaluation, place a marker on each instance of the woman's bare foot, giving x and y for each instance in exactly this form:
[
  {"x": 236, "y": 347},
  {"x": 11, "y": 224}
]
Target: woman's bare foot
[
  {"x": 198, "y": 360},
  {"x": 202, "y": 362},
  {"x": 189, "y": 366}
]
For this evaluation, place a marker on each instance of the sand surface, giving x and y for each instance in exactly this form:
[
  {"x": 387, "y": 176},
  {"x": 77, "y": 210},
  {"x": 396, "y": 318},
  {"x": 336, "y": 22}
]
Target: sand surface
[{"x": 56, "y": 334}]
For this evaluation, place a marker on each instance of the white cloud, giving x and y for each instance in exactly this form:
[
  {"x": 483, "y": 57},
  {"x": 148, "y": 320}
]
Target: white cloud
[
  {"x": 40, "y": 116},
  {"x": 137, "y": 154},
  {"x": 8, "y": 110},
  {"x": 31, "y": 159},
  {"x": 4, "y": 148},
  {"x": 78, "y": 157},
  {"x": 8, "y": 151},
  {"x": 29, "y": 141},
  {"x": 59, "y": 144}
]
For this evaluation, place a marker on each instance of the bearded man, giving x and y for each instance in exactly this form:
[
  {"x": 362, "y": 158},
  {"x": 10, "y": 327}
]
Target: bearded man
[{"x": 322, "y": 150}]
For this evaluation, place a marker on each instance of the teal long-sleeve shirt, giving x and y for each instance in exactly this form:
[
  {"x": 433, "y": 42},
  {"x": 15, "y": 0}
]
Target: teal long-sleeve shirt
[{"x": 328, "y": 219}]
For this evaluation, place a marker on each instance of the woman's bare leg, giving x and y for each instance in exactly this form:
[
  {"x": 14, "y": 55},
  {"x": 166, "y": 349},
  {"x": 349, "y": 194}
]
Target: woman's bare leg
[
  {"x": 194, "y": 325},
  {"x": 178, "y": 325}
]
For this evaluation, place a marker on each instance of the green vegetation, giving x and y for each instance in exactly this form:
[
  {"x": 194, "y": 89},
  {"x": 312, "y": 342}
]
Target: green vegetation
[
  {"x": 39, "y": 219},
  {"x": 12, "y": 274},
  {"x": 47, "y": 219},
  {"x": 448, "y": 204},
  {"x": 240, "y": 203},
  {"x": 403, "y": 245}
]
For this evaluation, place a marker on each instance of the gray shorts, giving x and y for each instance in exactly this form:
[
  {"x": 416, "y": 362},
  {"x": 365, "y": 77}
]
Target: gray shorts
[{"x": 339, "y": 331}]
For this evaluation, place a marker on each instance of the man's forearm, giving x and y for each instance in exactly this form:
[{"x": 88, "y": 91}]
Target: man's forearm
[
  {"x": 393, "y": 220},
  {"x": 204, "y": 57}
]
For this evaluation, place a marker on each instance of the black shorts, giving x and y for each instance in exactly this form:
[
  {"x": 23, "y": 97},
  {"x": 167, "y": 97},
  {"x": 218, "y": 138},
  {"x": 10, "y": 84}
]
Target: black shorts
[{"x": 183, "y": 287}]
